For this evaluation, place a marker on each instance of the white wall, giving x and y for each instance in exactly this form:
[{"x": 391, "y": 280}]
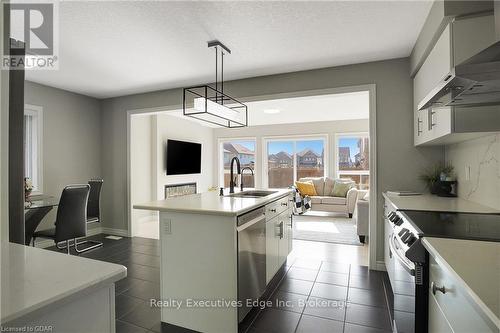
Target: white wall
[
  {"x": 482, "y": 155},
  {"x": 330, "y": 128},
  {"x": 172, "y": 127},
  {"x": 71, "y": 139},
  {"x": 142, "y": 168}
]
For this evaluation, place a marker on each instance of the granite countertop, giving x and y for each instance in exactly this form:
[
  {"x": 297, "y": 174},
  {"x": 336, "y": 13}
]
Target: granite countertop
[
  {"x": 428, "y": 202},
  {"x": 34, "y": 278},
  {"x": 211, "y": 203},
  {"x": 475, "y": 265}
]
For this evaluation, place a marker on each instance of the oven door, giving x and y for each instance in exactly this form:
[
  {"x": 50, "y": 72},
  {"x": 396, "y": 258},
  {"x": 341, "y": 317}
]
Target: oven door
[{"x": 402, "y": 277}]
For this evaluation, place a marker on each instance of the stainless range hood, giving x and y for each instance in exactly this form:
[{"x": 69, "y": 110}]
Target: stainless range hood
[{"x": 473, "y": 82}]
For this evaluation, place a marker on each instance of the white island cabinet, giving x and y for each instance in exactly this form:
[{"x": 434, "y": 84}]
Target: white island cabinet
[
  {"x": 45, "y": 291},
  {"x": 199, "y": 255},
  {"x": 464, "y": 285}
]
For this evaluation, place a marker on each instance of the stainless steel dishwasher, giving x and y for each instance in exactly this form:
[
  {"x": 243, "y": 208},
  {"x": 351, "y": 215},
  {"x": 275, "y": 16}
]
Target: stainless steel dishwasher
[{"x": 251, "y": 229}]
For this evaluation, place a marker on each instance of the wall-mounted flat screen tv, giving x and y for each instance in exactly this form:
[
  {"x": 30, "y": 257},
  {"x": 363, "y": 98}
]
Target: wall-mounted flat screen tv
[{"x": 183, "y": 157}]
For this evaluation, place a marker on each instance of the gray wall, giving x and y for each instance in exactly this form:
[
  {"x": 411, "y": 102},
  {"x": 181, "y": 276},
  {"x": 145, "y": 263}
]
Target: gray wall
[
  {"x": 4, "y": 155},
  {"x": 71, "y": 139},
  {"x": 399, "y": 162}
]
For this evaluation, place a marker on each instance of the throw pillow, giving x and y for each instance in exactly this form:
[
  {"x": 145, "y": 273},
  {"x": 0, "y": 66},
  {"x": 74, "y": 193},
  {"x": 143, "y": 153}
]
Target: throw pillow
[
  {"x": 306, "y": 188},
  {"x": 340, "y": 189}
]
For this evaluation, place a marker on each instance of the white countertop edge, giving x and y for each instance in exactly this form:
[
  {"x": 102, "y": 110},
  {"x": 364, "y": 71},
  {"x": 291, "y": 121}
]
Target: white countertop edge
[
  {"x": 265, "y": 200},
  {"x": 492, "y": 319},
  {"x": 120, "y": 273}
]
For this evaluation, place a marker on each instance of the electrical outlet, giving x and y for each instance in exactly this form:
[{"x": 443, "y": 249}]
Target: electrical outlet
[{"x": 166, "y": 225}]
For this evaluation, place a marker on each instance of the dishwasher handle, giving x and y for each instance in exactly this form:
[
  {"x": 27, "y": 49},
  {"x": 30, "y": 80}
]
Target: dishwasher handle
[{"x": 251, "y": 222}]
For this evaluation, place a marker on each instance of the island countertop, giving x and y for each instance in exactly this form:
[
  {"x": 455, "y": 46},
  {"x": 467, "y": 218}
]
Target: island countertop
[
  {"x": 211, "y": 203},
  {"x": 35, "y": 279},
  {"x": 474, "y": 264}
]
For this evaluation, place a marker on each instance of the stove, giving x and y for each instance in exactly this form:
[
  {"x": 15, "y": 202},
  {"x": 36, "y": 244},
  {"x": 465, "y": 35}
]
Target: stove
[
  {"x": 408, "y": 262},
  {"x": 473, "y": 226}
]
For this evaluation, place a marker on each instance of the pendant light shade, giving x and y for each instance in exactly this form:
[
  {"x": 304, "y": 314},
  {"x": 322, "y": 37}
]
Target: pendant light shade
[{"x": 211, "y": 104}]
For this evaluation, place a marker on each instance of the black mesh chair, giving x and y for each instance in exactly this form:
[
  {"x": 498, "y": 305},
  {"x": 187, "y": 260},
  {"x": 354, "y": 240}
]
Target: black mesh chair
[{"x": 71, "y": 219}]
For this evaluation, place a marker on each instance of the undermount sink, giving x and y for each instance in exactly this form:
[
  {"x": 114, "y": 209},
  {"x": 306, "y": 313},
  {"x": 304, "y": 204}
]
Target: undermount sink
[{"x": 252, "y": 194}]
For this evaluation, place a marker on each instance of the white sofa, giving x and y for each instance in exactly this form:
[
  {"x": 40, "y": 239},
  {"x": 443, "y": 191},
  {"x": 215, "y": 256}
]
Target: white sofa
[
  {"x": 361, "y": 215},
  {"x": 325, "y": 202}
]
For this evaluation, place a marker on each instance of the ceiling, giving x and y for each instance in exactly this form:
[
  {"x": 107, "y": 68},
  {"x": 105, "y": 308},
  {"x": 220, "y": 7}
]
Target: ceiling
[
  {"x": 116, "y": 48},
  {"x": 354, "y": 105}
]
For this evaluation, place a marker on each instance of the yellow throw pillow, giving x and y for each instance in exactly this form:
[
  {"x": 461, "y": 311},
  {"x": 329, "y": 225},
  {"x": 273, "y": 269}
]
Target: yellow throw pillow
[{"x": 306, "y": 188}]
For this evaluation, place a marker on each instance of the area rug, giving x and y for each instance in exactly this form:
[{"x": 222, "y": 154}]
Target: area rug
[{"x": 324, "y": 228}]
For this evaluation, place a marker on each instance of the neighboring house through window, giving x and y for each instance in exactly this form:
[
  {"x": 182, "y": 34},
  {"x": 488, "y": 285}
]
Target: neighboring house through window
[
  {"x": 289, "y": 159},
  {"x": 353, "y": 156},
  {"x": 244, "y": 149},
  {"x": 33, "y": 135}
]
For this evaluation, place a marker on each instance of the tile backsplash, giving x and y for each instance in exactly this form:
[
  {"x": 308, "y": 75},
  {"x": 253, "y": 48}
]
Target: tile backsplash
[{"x": 477, "y": 165}]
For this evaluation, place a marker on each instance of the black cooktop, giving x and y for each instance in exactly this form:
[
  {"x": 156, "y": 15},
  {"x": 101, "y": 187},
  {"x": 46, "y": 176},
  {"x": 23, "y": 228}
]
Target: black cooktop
[{"x": 455, "y": 225}]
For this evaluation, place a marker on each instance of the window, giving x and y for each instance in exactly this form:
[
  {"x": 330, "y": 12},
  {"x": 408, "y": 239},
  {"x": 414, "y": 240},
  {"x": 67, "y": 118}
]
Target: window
[
  {"x": 291, "y": 159},
  {"x": 244, "y": 149},
  {"x": 33, "y": 127},
  {"x": 353, "y": 157}
]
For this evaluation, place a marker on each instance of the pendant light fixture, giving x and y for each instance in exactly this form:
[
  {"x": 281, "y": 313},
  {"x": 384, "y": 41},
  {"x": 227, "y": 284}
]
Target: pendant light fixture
[{"x": 211, "y": 104}]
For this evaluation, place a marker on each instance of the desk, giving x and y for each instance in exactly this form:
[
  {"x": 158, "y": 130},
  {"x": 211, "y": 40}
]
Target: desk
[{"x": 34, "y": 212}]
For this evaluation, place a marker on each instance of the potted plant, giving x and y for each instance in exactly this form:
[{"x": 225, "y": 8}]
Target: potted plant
[
  {"x": 432, "y": 175},
  {"x": 28, "y": 188}
]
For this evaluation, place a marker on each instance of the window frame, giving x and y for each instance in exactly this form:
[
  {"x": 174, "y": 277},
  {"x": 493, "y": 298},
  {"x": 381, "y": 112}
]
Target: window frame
[
  {"x": 360, "y": 173},
  {"x": 220, "y": 157},
  {"x": 37, "y": 111},
  {"x": 294, "y": 138}
]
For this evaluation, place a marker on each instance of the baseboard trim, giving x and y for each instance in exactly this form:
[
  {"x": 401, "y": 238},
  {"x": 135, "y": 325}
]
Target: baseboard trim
[
  {"x": 380, "y": 265},
  {"x": 115, "y": 232},
  {"x": 44, "y": 243}
]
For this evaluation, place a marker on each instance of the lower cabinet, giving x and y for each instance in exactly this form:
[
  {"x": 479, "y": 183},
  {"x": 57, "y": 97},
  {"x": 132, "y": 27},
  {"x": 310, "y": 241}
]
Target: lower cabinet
[
  {"x": 450, "y": 310},
  {"x": 437, "y": 319},
  {"x": 272, "y": 249},
  {"x": 278, "y": 242}
]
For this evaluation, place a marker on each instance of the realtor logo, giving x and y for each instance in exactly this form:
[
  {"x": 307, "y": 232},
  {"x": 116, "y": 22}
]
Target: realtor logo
[{"x": 34, "y": 27}]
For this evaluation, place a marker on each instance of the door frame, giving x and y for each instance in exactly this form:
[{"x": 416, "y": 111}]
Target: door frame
[{"x": 374, "y": 193}]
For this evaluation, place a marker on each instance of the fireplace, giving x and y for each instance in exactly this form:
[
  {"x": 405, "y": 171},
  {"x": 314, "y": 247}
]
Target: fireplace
[{"x": 177, "y": 190}]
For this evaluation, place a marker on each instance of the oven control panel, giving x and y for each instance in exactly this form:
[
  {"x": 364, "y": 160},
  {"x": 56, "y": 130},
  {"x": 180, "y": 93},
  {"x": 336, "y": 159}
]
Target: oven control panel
[{"x": 402, "y": 229}]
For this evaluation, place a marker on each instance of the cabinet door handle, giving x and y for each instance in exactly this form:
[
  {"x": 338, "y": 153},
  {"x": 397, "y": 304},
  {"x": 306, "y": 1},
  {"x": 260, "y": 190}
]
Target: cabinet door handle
[
  {"x": 431, "y": 119},
  {"x": 284, "y": 203},
  {"x": 273, "y": 210},
  {"x": 435, "y": 288},
  {"x": 419, "y": 131}
]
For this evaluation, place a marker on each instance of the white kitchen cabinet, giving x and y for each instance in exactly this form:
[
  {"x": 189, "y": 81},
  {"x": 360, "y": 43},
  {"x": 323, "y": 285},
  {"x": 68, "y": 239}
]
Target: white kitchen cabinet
[
  {"x": 284, "y": 236},
  {"x": 421, "y": 135},
  {"x": 435, "y": 67},
  {"x": 272, "y": 249},
  {"x": 459, "y": 311},
  {"x": 278, "y": 236},
  {"x": 460, "y": 40},
  {"x": 437, "y": 320}
]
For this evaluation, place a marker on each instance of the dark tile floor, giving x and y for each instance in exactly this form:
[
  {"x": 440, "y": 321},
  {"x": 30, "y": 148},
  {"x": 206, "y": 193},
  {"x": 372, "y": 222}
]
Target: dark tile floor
[{"x": 314, "y": 296}]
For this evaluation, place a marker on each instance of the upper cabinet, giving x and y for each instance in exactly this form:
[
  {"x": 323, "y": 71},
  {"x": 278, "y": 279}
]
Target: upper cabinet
[{"x": 461, "y": 39}]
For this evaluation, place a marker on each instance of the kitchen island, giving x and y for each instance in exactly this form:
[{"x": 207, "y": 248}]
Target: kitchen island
[
  {"x": 45, "y": 291},
  {"x": 219, "y": 253}
]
